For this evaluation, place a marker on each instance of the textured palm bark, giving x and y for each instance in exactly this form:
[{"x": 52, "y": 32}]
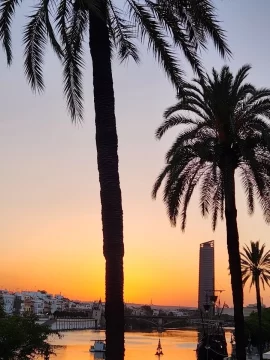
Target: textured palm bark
[
  {"x": 234, "y": 257},
  {"x": 259, "y": 308},
  {"x": 110, "y": 192}
]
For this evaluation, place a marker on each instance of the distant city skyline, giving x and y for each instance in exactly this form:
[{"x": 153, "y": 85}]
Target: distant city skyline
[{"x": 50, "y": 221}]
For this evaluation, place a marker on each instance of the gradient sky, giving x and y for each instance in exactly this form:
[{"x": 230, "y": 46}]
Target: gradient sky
[{"x": 50, "y": 227}]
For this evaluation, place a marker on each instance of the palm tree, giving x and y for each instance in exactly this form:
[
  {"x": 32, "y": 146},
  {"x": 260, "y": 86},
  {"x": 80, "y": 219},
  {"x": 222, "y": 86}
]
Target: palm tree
[
  {"x": 255, "y": 264},
  {"x": 109, "y": 29},
  {"x": 225, "y": 128}
]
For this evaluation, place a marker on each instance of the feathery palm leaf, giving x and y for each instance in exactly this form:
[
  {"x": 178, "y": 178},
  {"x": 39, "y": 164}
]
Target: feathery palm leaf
[
  {"x": 7, "y": 11},
  {"x": 157, "y": 41},
  {"x": 200, "y": 20},
  {"x": 35, "y": 39},
  {"x": 123, "y": 35},
  {"x": 73, "y": 62},
  {"x": 165, "y": 25}
]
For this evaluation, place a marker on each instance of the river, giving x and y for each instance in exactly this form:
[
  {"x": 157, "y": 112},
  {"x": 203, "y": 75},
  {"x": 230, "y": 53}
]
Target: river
[{"x": 176, "y": 345}]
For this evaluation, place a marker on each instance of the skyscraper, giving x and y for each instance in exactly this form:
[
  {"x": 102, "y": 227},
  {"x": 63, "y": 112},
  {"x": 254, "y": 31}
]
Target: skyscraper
[{"x": 206, "y": 272}]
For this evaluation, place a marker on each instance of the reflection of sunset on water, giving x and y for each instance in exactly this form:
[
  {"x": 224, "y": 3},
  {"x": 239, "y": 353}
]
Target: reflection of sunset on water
[{"x": 176, "y": 344}]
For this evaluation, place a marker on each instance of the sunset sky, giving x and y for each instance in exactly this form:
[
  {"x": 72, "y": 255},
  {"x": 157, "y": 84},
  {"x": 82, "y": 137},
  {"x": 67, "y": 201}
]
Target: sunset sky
[{"x": 50, "y": 226}]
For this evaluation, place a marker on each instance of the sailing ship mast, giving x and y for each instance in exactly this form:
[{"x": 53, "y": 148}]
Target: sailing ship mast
[{"x": 159, "y": 351}]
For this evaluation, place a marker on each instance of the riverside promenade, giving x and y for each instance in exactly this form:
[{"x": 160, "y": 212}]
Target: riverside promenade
[{"x": 69, "y": 324}]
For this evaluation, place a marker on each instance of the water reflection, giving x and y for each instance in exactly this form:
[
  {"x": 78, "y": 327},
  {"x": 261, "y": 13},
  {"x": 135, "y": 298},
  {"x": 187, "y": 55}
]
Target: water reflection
[
  {"x": 99, "y": 356},
  {"x": 176, "y": 345}
]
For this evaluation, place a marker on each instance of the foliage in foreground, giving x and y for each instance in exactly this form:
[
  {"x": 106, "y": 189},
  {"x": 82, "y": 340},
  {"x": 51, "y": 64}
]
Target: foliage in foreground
[
  {"x": 252, "y": 327},
  {"x": 21, "y": 338}
]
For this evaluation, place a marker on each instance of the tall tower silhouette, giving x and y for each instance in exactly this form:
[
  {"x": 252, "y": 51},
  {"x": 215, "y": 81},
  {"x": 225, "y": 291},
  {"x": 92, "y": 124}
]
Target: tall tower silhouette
[{"x": 206, "y": 272}]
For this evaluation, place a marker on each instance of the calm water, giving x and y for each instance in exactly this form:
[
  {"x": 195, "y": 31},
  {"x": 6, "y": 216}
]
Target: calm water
[{"x": 176, "y": 345}]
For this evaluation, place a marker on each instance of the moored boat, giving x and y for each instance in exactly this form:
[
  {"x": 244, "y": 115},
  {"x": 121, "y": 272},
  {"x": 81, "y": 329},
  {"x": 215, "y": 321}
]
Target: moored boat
[
  {"x": 212, "y": 345},
  {"x": 99, "y": 346}
]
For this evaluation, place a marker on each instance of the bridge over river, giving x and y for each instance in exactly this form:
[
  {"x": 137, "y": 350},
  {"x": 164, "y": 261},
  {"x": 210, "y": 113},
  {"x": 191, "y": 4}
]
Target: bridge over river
[
  {"x": 63, "y": 324},
  {"x": 160, "y": 322}
]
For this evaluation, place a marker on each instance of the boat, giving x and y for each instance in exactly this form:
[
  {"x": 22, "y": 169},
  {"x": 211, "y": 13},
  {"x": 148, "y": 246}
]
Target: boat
[
  {"x": 159, "y": 351},
  {"x": 99, "y": 346},
  {"x": 212, "y": 345},
  {"x": 99, "y": 355}
]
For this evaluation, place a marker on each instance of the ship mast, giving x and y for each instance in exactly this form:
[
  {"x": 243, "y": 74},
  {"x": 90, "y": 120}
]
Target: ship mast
[{"x": 159, "y": 351}]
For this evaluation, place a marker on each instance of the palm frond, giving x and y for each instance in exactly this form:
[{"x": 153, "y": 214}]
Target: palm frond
[
  {"x": 261, "y": 186},
  {"x": 239, "y": 78},
  {"x": 176, "y": 182},
  {"x": 70, "y": 24},
  {"x": 206, "y": 191},
  {"x": 265, "y": 279},
  {"x": 171, "y": 23},
  {"x": 192, "y": 29},
  {"x": 50, "y": 31},
  {"x": 245, "y": 279},
  {"x": 162, "y": 50},
  {"x": 159, "y": 180},
  {"x": 173, "y": 200},
  {"x": 73, "y": 63},
  {"x": 188, "y": 134},
  {"x": 265, "y": 259},
  {"x": 198, "y": 171},
  {"x": 217, "y": 198},
  {"x": 35, "y": 39},
  {"x": 7, "y": 10},
  {"x": 202, "y": 15},
  {"x": 173, "y": 190},
  {"x": 123, "y": 34},
  {"x": 173, "y": 121},
  {"x": 193, "y": 104},
  {"x": 248, "y": 185},
  {"x": 63, "y": 14},
  {"x": 243, "y": 92}
]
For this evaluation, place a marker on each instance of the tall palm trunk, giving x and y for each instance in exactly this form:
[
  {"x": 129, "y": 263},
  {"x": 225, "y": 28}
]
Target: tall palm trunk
[
  {"x": 110, "y": 192},
  {"x": 259, "y": 308},
  {"x": 234, "y": 256}
]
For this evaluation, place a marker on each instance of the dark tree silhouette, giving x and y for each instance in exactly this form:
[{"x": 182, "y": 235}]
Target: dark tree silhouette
[
  {"x": 225, "y": 128},
  {"x": 108, "y": 29},
  {"x": 2, "y": 307},
  {"x": 255, "y": 264},
  {"x": 22, "y": 338}
]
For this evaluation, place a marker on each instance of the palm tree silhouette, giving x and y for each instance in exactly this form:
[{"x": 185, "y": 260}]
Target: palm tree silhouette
[
  {"x": 225, "y": 127},
  {"x": 255, "y": 264},
  {"x": 164, "y": 25}
]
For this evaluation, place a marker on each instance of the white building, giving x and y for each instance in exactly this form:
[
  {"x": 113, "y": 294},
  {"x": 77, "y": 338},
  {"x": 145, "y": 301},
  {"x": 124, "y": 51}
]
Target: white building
[
  {"x": 42, "y": 303},
  {"x": 38, "y": 306},
  {"x": 8, "y": 299}
]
